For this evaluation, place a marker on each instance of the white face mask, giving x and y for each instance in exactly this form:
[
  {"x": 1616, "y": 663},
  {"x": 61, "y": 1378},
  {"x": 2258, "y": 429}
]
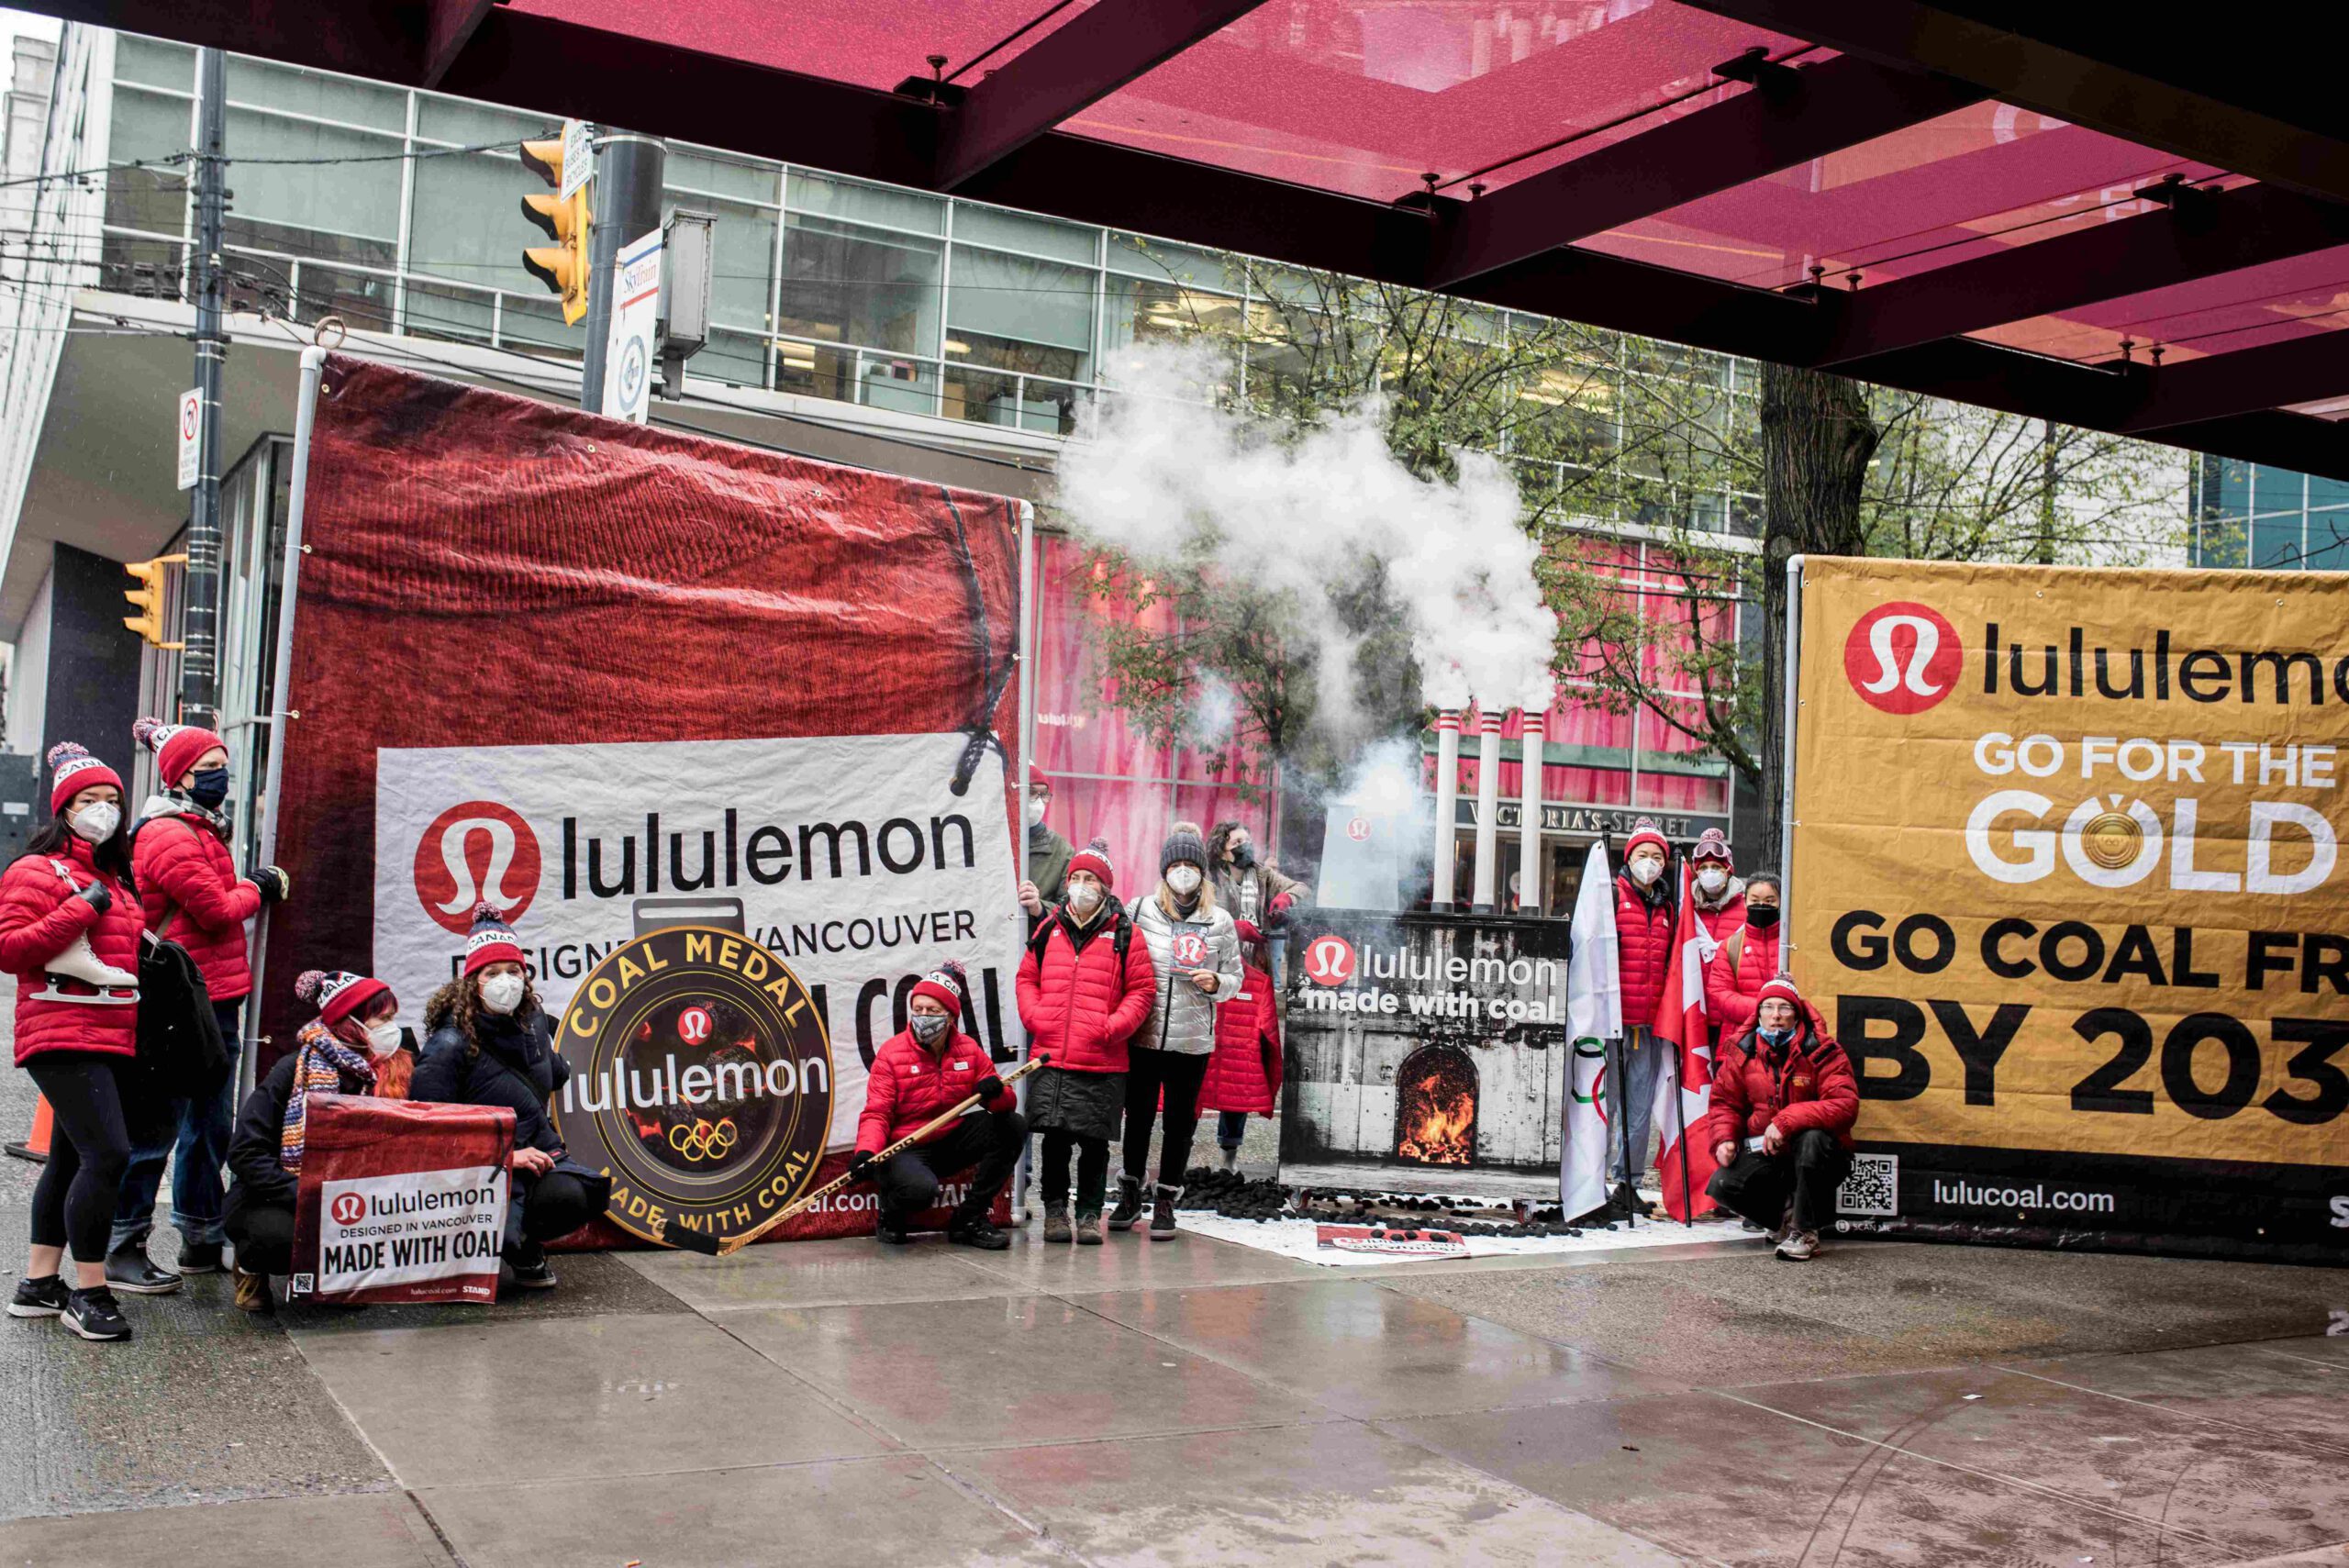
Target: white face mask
[
  {"x": 1036, "y": 804},
  {"x": 501, "y": 993},
  {"x": 1645, "y": 870},
  {"x": 1712, "y": 879},
  {"x": 1084, "y": 897},
  {"x": 1184, "y": 879},
  {"x": 384, "y": 1038},
  {"x": 96, "y": 822}
]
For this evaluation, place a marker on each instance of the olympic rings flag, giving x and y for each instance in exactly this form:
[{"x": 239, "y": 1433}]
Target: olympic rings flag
[
  {"x": 1594, "y": 1017},
  {"x": 2067, "y": 884}
]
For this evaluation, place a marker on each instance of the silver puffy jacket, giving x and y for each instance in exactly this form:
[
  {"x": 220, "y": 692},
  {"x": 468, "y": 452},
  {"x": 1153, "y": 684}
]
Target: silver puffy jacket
[{"x": 1181, "y": 1017}]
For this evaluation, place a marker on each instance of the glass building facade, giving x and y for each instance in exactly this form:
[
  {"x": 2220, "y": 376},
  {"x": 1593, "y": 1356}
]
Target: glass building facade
[{"x": 2251, "y": 515}]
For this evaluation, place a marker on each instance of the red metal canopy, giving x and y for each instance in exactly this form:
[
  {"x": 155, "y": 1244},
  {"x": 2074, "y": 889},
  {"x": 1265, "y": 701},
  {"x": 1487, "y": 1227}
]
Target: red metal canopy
[{"x": 2039, "y": 208}]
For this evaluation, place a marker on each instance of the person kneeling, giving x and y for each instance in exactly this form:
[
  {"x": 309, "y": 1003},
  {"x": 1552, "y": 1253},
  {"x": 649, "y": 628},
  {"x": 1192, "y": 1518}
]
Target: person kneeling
[
  {"x": 1783, "y": 1101},
  {"x": 918, "y": 1076},
  {"x": 341, "y": 1052}
]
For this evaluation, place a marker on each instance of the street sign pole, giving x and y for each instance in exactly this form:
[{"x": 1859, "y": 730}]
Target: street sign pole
[
  {"x": 199, "y": 660},
  {"x": 627, "y": 204}
]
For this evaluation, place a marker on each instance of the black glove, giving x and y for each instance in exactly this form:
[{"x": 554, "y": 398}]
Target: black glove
[
  {"x": 274, "y": 884},
  {"x": 96, "y": 896},
  {"x": 863, "y": 1166},
  {"x": 990, "y": 1086}
]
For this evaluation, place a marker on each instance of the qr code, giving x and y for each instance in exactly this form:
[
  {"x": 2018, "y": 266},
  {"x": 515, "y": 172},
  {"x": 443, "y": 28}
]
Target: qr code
[
  {"x": 1873, "y": 1187},
  {"x": 300, "y": 1284}
]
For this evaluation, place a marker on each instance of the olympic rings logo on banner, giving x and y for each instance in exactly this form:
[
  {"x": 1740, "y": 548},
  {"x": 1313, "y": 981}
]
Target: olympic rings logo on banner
[{"x": 703, "y": 1139}]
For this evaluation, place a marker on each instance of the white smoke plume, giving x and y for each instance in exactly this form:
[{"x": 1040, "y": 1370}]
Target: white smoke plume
[{"x": 1164, "y": 477}]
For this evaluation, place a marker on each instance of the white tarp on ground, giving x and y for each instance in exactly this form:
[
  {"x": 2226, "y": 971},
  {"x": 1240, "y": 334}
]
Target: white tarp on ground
[{"x": 1300, "y": 1239}]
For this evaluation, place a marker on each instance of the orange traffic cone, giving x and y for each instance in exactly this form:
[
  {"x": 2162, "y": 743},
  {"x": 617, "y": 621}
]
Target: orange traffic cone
[{"x": 36, "y": 1147}]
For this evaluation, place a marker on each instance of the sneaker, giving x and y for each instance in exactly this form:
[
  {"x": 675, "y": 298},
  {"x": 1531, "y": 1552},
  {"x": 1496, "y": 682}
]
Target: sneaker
[
  {"x": 131, "y": 1271},
  {"x": 1799, "y": 1247},
  {"x": 43, "y": 1298},
  {"x": 1161, "y": 1213},
  {"x": 1088, "y": 1228},
  {"x": 1785, "y": 1226},
  {"x": 539, "y": 1275},
  {"x": 977, "y": 1233},
  {"x": 893, "y": 1233},
  {"x": 1129, "y": 1207},
  {"x": 252, "y": 1294},
  {"x": 200, "y": 1257},
  {"x": 1056, "y": 1223},
  {"x": 93, "y": 1314}
]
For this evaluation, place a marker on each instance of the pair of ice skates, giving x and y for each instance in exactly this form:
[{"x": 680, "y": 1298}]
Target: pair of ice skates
[{"x": 116, "y": 987}]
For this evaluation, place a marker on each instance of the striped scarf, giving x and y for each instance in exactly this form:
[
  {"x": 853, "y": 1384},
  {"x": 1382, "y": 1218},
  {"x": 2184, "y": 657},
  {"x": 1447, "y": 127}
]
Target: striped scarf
[{"x": 324, "y": 1064}]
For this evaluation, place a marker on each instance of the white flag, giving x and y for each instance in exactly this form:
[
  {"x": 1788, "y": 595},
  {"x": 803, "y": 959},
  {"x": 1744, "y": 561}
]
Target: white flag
[{"x": 1594, "y": 1017}]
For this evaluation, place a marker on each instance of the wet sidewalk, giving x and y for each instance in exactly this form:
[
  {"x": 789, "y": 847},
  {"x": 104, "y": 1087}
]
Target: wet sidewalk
[{"x": 1200, "y": 1402}]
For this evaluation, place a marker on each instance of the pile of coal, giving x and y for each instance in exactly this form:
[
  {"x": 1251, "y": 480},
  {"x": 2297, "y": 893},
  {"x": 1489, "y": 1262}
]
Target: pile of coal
[{"x": 1232, "y": 1196}]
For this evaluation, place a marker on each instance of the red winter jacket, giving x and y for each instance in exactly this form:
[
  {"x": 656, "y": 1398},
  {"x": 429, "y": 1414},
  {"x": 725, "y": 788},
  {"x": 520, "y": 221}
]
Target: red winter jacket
[
  {"x": 1078, "y": 1002},
  {"x": 182, "y": 863},
  {"x": 1729, "y": 994},
  {"x": 910, "y": 1084},
  {"x": 1245, "y": 1074},
  {"x": 1643, "y": 950},
  {"x": 40, "y": 917},
  {"x": 1808, "y": 1084}
]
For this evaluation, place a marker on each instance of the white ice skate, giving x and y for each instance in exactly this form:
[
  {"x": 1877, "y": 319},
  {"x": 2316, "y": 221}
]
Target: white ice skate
[{"x": 117, "y": 987}]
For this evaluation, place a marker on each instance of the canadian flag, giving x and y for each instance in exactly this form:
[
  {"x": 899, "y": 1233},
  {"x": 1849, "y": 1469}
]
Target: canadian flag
[{"x": 1683, "y": 1081}]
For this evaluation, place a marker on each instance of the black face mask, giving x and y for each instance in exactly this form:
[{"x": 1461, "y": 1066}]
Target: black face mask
[
  {"x": 208, "y": 787},
  {"x": 1761, "y": 916},
  {"x": 1244, "y": 857}
]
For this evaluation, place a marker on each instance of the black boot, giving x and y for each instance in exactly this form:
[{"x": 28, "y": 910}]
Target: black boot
[
  {"x": 130, "y": 1269},
  {"x": 1129, "y": 1207},
  {"x": 977, "y": 1231},
  {"x": 892, "y": 1229},
  {"x": 1161, "y": 1213},
  {"x": 200, "y": 1257}
]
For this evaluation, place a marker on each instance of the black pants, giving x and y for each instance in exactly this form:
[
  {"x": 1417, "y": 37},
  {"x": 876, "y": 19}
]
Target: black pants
[
  {"x": 1092, "y": 1170},
  {"x": 988, "y": 1141},
  {"x": 264, "y": 1233},
  {"x": 73, "y": 1202},
  {"x": 1180, "y": 1074},
  {"x": 539, "y": 1209},
  {"x": 1809, "y": 1168}
]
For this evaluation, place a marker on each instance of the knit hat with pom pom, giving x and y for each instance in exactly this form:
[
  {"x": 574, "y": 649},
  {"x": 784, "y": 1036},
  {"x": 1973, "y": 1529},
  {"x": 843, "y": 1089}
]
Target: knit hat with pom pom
[
  {"x": 944, "y": 985},
  {"x": 1095, "y": 858},
  {"x": 491, "y": 942},
  {"x": 338, "y": 992},
  {"x": 176, "y": 746},
  {"x": 74, "y": 770}
]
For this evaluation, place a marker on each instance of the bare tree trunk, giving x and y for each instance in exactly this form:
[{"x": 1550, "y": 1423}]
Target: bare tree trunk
[{"x": 1817, "y": 438}]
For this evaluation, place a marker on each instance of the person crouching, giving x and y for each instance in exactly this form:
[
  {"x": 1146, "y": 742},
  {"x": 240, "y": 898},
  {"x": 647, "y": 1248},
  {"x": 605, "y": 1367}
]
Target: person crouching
[
  {"x": 1783, "y": 1101},
  {"x": 343, "y": 1051},
  {"x": 917, "y": 1075}
]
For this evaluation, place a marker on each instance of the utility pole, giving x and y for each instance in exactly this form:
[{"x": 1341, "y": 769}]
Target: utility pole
[
  {"x": 626, "y": 202},
  {"x": 199, "y": 660}
]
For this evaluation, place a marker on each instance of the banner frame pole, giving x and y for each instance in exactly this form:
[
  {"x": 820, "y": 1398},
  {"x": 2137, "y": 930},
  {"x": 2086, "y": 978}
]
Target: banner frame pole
[
  {"x": 306, "y": 408},
  {"x": 1790, "y": 706},
  {"x": 1027, "y": 773}
]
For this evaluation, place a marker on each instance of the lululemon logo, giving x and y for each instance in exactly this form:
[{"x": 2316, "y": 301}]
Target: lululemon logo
[
  {"x": 1902, "y": 658},
  {"x": 350, "y": 1208},
  {"x": 476, "y": 852},
  {"x": 1329, "y": 960}
]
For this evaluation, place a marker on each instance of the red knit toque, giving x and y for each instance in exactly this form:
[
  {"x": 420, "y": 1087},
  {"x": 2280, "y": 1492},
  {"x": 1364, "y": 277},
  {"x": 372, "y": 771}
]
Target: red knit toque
[
  {"x": 73, "y": 770},
  {"x": 338, "y": 993},
  {"x": 491, "y": 942},
  {"x": 944, "y": 985},
  {"x": 1095, "y": 858},
  {"x": 176, "y": 746},
  {"x": 1784, "y": 988},
  {"x": 1712, "y": 844},
  {"x": 1645, "y": 831}
]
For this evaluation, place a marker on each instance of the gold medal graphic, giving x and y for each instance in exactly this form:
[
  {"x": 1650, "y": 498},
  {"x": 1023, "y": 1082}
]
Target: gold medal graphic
[{"x": 2111, "y": 839}]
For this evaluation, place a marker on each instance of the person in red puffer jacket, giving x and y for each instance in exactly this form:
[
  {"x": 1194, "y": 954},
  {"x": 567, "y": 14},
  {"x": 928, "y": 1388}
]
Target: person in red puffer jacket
[
  {"x": 69, "y": 932},
  {"x": 1085, "y": 987},
  {"x": 917, "y": 1075},
  {"x": 1644, "y": 922},
  {"x": 190, "y": 892},
  {"x": 1783, "y": 1102},
  {"x": 1244, "y": 1074},
  {"x": 1746, "y": 960}
]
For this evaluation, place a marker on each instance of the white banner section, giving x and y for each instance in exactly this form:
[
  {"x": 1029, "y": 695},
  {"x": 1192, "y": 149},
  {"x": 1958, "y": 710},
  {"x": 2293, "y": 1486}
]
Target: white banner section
[
  {"x": 409, "y": 1228},
  {"x": 849, "y": 857}
]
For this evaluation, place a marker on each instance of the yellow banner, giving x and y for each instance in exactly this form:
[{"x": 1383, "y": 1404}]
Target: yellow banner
[{"x": 2067, "y": 870}]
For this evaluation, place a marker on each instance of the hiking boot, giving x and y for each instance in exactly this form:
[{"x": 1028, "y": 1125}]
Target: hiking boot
[
  {"x": 1056, "y": 1223},
  {"x": 200, "y": 1257},
  {"x": 44, "y": 1297},
  {"x": 93, "y": 1314},
  {"x": 1088, "y": 1228},
  {"x": 1799, "y": 1247},
  {"x": 1161, "y": 1213},
  {"x": 979, "y": 1233},
  {"x": 252, "y": 1294},
  {"x": 130, "y": 1271},
  {"x": 1129, "y": 1207}
]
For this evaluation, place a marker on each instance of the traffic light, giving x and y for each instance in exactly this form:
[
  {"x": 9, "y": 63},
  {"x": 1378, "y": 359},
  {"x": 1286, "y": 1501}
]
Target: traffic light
[
  {"x": 147, "y": 598},
  {"x": 561, "y": 266}
]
